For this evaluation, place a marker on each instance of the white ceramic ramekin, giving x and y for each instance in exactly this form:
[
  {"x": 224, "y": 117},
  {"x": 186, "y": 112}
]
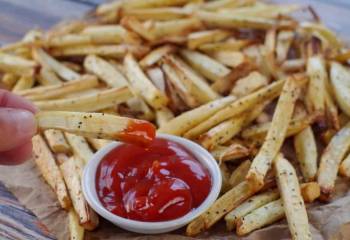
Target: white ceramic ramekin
[{"x": 203, "y": 156}]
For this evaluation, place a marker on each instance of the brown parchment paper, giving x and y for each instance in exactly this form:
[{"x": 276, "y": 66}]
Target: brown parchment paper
[{"x": 328, "y": 221}]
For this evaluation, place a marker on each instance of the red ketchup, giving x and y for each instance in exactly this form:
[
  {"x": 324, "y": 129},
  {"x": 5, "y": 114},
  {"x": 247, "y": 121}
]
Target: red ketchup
[{"x": 160, "y": 182}]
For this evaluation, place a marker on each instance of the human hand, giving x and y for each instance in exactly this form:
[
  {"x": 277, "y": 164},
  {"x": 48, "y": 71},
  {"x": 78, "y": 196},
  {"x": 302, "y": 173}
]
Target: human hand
[{"x": 17, "y": 127}]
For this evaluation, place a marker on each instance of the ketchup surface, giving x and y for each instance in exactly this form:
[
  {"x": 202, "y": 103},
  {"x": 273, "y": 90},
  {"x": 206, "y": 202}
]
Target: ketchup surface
[{"x": 160, "y": 182}]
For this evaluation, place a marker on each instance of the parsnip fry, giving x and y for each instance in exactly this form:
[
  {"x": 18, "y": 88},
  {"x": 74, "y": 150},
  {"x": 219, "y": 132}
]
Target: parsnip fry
[
  {"x": 238, "y": 175},
  {"x": 90, "y": 102},
  {"x": 231, "y": 153},
  {"x": 249, "y": 84},
  {"x": 142, "y": 85},
  {"x": 111, "y": 34},
  {"x": 97, "y": 125},
  {"x": 258, "y": 218},
  {"x": 105, "y": 71},
  {"x": 240, "y": 105},
  {"x": 163, "y": 116},
  {"x": 25, "y": 82},
  {"x": 293, "y": 202},
  {"x": 318, "y": 76},
  {"x": 340, "y": 79},
  {"x": 227, "y": 20},
  {"x": 160, "y": 14},
  {"x": 284, "y": 41},
  {"x": 112, "y": 51},
  {"x": 9, "y": 80},
  {"x": 87, "y": 217},
  {"x": 16, "y": 65},
  {"x": 229, "y": 58},
  {"x": 156, "y": 55},
  {"x": 188, "y": 120},
  {"x": 223, "y": 205},
  {"x": 310, "y": 191},
  {"x": 80, "y": 147},
  {"x": 49, "y": 62},
  {"x": 276, "y": 134},
  {"x": 259, "y": 131},
  {"x": 207, "y": 66},
  {"x": 306, "y": 152},
  {"x": 197, "y": 85},
  {"x": 97, "y": 144},
  {"x": 248, "y": 206},
  {"x": 56, "y": 141},
  {"x": 48, "y": 77},
  {"x": 330, "y": 161},
  {"x": 61, "y": 89},
  {"x": 50, "y": 171},
  {"x": 223, "y": 132},
  {"x": 139, "y": 4},
  {"x": 76, "y": 232},
  {"x": 196, "y": 39},
  {"x": 223, "y": 4},
  {"x": 227, "y": 202}
]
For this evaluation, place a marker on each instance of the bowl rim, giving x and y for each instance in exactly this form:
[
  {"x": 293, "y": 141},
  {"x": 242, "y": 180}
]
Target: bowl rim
[{"x": 201, "y": 154}]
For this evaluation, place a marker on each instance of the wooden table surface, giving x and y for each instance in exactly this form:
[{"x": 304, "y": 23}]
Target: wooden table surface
[{"x": 19, "y": 16}]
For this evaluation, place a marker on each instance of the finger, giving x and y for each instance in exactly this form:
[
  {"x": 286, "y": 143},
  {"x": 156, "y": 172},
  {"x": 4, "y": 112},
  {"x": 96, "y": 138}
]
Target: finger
[
  {"x": 17, "y": 126},
  {"x": 10, "y": 100},
  {"x": 17, "y": 155}
]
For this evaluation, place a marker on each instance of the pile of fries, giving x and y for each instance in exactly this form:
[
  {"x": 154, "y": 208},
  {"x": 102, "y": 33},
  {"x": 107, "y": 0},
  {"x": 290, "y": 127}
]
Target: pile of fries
[{"x": 240, "y": 77}]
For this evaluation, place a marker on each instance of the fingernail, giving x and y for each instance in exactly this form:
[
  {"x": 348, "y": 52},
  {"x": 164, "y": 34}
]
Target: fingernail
[{"x": 25, "y": 122}]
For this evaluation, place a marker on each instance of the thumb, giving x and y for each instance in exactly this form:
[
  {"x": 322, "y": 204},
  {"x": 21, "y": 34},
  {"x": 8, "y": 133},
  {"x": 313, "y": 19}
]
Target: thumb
[{"x": 17, "y": 126}]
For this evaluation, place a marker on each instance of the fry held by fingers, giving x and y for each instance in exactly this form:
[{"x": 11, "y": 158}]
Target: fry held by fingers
[{"x": 98, "y": 125}]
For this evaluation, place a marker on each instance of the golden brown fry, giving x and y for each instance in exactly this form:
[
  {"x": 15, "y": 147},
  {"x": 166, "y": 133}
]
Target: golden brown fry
[
  {"x": 188, "y": 120},
  {"x": 56, "y": 141},
  {"x": 331, "y": 159},
  {"x": 310, "y": 191},
  {"x": 50, "y": 171},
  {"x": 327, "y": 36},
  {"x": 293, "y": 202},
  {"x": 248, "y": 206},
  {"x": 238, "y": 175},
  {"x": 306, "y": 152},
  {"x": 89, "y": 102},
  {"x": 229, "y": 45},
  {"x": 139, "y": 4},
  {"x": 275, "y": 135},
  {"x": 225, "y": 175}
]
